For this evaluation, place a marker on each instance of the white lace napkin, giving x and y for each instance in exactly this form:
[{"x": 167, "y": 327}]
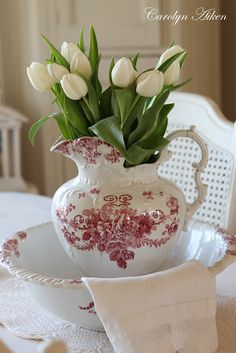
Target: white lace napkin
[{"x": 169, "y": 311}]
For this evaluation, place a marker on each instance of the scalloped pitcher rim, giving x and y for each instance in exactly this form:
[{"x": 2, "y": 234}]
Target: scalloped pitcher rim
[{"x": 115, "y": 157}]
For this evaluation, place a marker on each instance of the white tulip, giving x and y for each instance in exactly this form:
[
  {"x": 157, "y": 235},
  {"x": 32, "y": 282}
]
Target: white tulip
[
  {"x": 123, "y": 73},
  {"x": 74, "y": 86},
  {"x": 68, "y": 50},
  {"x": 57, "y": 71},
  {"x": 39, "y": 77},
  {"x": 150, "y": 83},
  {"x": 172, "y": 73},
  {"x": 170, "y": 52},
  {"x": 80, "y": 62}
]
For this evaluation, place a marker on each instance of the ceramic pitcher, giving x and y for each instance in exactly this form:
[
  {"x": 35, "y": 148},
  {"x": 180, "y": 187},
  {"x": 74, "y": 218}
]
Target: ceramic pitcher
[{"x": 115, "y": 221}]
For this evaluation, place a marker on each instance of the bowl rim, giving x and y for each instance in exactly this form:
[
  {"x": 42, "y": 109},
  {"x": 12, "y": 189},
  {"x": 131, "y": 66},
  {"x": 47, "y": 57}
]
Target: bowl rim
[
  {"x": 37, "y": 278},
  {"x": 30, "y": 276}
]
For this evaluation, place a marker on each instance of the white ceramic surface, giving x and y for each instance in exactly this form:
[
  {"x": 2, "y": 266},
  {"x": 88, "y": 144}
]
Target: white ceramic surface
[
  {"x": 115, "y": 221},
  {"x": 37, "y": 257}
]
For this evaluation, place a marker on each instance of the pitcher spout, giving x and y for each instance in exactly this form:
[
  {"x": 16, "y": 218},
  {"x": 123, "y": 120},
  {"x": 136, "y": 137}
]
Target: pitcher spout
[
  {"x": 64, "y": 147},
  {"x": 89, "y": 151}
]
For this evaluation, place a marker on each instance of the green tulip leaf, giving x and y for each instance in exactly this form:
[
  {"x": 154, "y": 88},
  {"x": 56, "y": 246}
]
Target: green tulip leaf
[
  {"x": 172, "y": 43},
  {"x": 138, "y": 155},
  {"x": 87, "y": 110},
  {"x": 109, "y": 130},
  {"x": 52, "y": 59},
  {"x": 105, "y": 102},
  {"x": 114, "y": 104},
  {"x": 134, "y": 60},
  {"x": 134, "y": 115},
  {"x": 124, "y": 100},
  {"x": 61, "y": 121},
  {"x": 93, "y": 100},
  {"x": 112, "y": 64},
  {"x": 57, "y": 55},
  {"x": 75, "y": 115},
  {"x": 80, "y": 44},
  {"x": 182, "y": 60},
  {"x": 93, "y": 50},
  {"x": 95, "y": 79},
  {"x": 149, "y": 119},
  {"x": 160, "y": 127},
  {"x": 166, "y": 64},
  {"x": 155, "y": 143}
]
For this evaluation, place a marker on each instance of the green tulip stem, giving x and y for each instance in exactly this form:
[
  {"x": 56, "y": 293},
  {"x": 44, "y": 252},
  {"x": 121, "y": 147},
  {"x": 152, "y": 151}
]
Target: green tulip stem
[
  {"x": 69, "y": 128},
  {"x": 127, "y": 120},
  {"x": 87, "y": 110},
  {"x": 136, "y": 100}
]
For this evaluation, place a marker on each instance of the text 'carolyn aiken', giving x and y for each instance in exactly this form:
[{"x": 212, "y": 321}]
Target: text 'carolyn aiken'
[{"x": 201, "y": 14}]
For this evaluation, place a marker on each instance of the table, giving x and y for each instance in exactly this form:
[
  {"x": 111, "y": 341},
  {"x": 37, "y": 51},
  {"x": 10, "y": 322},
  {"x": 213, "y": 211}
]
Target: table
[{"x": 19, "y": 211}]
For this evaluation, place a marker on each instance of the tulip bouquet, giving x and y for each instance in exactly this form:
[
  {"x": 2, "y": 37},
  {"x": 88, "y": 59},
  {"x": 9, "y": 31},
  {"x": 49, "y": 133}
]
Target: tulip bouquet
[{"x": 130, "y": 114}]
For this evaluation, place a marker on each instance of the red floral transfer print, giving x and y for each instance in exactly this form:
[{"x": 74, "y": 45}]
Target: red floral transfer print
[
  {"x": 89, "y": 308},
  {"x": 94, "y": 191},
  {"x": 115, "y": 201},
  {"x": 116, "y": 228},
  {"x": 173, "y": 205},
  {"x": 114, "y": 156},
  {"x": 75, "y": 281},
  {"x": 21, "y": 235},
  {"x": 11, "y": 246},
  {"x": 230, "y": 240},
  {"x": 81, "y": 195},
  {"x": 90, "y": 149},
  {"x": 64, "y": 147},
  {"x": 148, "y": 195}
]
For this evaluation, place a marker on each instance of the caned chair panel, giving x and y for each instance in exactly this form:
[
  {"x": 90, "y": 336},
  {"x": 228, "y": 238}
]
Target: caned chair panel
[
  {"x": 10, "y": 150},
  {"x": 190, "y": 109}
]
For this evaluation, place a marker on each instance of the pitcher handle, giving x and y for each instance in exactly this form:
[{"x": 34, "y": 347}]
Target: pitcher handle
[{"x": 200, "y": 187}]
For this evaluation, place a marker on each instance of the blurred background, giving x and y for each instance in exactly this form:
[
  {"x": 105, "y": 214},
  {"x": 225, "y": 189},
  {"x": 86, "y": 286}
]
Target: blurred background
[{"x": 122, "y": 28}]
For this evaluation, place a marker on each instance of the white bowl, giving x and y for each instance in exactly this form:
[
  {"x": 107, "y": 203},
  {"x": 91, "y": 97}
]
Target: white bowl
[{"x": 37, "y": 257}]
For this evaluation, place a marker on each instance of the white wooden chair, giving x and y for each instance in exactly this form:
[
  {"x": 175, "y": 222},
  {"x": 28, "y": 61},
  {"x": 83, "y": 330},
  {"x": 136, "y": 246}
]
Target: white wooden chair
[
  {"x": 10, "y": 150},
  {"x": 219, "y": 207}
]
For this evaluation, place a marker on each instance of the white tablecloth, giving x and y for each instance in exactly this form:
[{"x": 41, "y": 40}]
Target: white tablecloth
[{"x": 19, "y": 211}]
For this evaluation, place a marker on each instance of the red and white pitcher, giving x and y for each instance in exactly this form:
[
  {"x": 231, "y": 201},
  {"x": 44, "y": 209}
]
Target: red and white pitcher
[{"x": 115, "y": 221}]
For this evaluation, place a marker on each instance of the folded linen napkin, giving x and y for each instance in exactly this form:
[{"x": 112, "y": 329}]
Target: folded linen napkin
[{"x": 164, "y": 312}]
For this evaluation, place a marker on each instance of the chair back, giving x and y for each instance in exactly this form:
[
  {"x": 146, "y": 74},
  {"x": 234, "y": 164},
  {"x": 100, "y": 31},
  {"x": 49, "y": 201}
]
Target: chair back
[
  {"x": 10, "y": 150},
  {"x": 219, "y": 207}
]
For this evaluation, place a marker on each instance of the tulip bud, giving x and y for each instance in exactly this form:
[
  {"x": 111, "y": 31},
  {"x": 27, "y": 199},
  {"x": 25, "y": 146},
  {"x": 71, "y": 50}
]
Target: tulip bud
[
  {"x": 57, "y": 71},
  {"x": 39, "y": 77},
  {"x": 68, "y": 50},
  {"x": 170, "y": 52},
  {"x": 123, "y": 73},
  {"x": 74, "y": 86},
  {"x": 81, "y": 63},
  {"x": 172, "y": 73},
  {"x": 150, "y": 83}
]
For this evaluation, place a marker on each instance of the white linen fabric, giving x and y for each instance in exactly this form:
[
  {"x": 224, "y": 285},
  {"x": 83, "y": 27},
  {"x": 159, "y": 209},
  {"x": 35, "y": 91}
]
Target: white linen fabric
[{"x": 165, "y": 312}]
